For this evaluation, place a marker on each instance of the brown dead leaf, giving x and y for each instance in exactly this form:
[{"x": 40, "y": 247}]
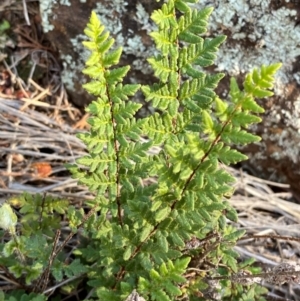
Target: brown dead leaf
[{"x": 42, "y": 169}]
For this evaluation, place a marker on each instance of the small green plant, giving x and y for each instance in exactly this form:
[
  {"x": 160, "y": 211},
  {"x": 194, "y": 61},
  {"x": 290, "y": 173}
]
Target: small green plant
[
  {"x": 4, "y": 26},
  {"x": 165, "y": 239}
]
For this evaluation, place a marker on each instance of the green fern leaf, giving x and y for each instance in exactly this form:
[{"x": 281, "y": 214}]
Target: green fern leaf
[
  {"x": 193, "y": 24},
  {"x": 162, "y": 214},
  {"x": 161, "y": 67},
  {"x": 244, "y": 119},
  {"x": 207, "y": 55},
  {"x": 258, "y": 81},
  {"x": 249, "y": 104},
  {"x": 239, "y": 137},
  {"x": 113, "y": 57},
  {"x": 164, "y": 17},
  {"x": 160, "y": 296},
  {"x": 230, "y": 156},
  {"x": 181, "y": 6},
  {"x": 116, "y": 75}
]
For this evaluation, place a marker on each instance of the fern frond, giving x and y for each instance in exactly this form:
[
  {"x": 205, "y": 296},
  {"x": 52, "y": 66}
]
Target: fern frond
[
  {"x": 193, "y": 24},
  {"x": 165, "y": 17},
  {"x": 258, "y": 82},
  {"x": 161, "y": 284}
]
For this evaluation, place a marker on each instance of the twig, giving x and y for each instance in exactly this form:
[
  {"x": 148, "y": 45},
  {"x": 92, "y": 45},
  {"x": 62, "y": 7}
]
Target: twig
[{"x": 26, "y": 13}]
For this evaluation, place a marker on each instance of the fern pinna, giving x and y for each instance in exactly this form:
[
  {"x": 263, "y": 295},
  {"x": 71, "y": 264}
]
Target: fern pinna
[{"x": 143, "y": 229}]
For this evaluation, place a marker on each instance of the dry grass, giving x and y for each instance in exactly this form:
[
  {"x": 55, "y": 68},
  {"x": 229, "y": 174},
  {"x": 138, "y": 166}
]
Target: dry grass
[
  {"x": 37, "y": 122},
  {"x": 275, "y": 218},
  {"x": 29, "y": 137}
]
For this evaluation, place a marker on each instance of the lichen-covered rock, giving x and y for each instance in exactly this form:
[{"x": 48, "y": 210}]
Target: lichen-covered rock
[{"x": 259, "y": 32}]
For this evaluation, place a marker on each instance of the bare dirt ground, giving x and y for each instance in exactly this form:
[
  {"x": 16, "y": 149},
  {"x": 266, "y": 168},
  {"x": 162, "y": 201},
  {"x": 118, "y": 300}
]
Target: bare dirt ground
[{"x": 38, "y": 125}]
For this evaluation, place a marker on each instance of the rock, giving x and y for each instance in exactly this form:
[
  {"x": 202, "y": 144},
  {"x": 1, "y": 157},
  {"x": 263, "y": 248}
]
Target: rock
[{"x": 259, "y": 32}]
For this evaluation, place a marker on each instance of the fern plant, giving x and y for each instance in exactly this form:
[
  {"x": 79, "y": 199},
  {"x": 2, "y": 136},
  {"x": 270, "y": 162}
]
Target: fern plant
[
  {"x": 142, "y": 231},
  {"x": 158, "y": 225}
]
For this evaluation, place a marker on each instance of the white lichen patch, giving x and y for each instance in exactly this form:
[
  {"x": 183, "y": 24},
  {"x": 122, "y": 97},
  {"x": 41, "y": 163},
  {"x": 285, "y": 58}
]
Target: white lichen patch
[
  {"x": 111, "y": 21},
  {"x": 297, "y": 77},
  {"x": 46, "y": 12},
  {"x": 71, "y": 66},
  {"x": 143, "y": 18}
]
